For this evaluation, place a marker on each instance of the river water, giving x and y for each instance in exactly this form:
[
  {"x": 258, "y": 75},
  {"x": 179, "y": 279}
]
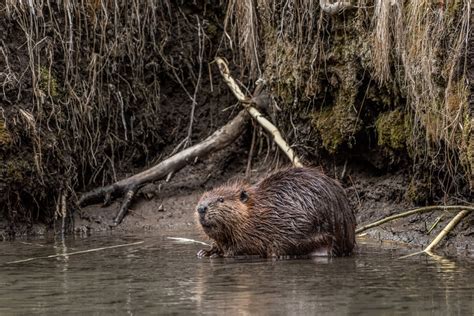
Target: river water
[{"x": 163, "y": 276}]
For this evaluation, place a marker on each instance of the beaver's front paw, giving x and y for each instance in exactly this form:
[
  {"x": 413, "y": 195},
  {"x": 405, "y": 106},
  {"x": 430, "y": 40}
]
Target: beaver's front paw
[
  {"x": 211, "y": 253},
  {"x": 203, "y": 253}
]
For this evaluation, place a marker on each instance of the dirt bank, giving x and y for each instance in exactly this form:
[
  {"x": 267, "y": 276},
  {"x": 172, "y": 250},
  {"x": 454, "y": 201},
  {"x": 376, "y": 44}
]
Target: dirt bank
[
  {"x": 93, "y": 92},
  {"x": 170, "y": 206}
]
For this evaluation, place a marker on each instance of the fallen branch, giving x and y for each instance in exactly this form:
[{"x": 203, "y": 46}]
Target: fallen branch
[
  {"x": 414, "y": 211},
  {"x": 440, "y": 236},
  {"x": 188, "y": 241},
  {"x": 217, "y": 141},
  {"x": 77, "y": 252},
  {"x": 464, "y": 211},
  {"x": 266, "y": 124},
  {"x": 446, "y": 230}
]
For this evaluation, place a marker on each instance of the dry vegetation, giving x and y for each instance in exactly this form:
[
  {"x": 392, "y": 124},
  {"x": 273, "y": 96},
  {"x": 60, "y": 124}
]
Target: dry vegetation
[
  {"x": 83, "y": 98},
  {"x": 375, "y": 57},
  {"x": 86, "y": 87}
]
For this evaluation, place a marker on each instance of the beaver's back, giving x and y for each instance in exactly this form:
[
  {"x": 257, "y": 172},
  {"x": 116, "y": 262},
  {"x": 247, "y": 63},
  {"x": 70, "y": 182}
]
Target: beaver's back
[{"x": 304, "y": 208}]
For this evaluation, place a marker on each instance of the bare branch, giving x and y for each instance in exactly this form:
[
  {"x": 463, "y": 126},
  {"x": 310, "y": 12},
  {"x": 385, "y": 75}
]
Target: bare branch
[{"x": 266, "y": 124}]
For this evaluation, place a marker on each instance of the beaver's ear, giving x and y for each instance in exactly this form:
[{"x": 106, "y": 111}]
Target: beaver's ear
[{"x": 244, "y": 196}]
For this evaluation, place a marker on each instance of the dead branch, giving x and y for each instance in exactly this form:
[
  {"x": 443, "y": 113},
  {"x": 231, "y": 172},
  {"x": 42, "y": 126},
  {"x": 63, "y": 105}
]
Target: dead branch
[
  {"x": 217, "y": 141},
  {"x": 464, "y": 211},
  {"x": 456, "y": 219},
  {"x": 446, "y": 230},
  {"x": 220, "y": 139},
  {"x": 414, "y": 211},
  {"x": 266, "y": 124}
]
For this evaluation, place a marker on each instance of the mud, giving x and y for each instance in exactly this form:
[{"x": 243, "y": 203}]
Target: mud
[{"x": 170, "y": 206}]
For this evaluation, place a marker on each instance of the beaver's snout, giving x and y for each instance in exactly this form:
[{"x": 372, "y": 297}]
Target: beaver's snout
[{"x": 202, "y": 209}]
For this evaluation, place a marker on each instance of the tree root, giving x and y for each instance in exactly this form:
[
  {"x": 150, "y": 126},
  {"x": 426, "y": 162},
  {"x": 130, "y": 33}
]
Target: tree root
[
  {"x": 129, "y": 186},
  {"x": 428, "y": 250}
]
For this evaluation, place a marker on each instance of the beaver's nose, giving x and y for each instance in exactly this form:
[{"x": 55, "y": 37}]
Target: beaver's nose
[{"x": 202, "y": 209}]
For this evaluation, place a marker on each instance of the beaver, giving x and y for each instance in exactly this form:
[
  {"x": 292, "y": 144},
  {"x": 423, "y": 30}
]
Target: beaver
[{"x": 292, "y": 212}]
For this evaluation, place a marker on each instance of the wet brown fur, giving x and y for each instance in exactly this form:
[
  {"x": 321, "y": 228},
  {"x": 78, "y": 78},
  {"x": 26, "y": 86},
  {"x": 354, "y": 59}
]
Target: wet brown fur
[{"x": 293, "y": 211}]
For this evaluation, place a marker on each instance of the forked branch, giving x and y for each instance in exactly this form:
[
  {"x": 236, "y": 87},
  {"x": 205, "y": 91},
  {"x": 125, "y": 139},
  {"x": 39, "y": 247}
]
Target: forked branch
[
  {"x": 247, "y": 103},
  {"x": 428, "y": 250}
]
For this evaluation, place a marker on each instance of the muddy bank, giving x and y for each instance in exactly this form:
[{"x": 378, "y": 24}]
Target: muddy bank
[
  {"x": 95, "y": 92},
  {"x": 170, "y": 206}
]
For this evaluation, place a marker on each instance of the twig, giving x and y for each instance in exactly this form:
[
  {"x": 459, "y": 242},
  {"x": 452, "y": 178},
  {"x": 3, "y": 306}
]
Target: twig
[
  {"x": 125, "y": 205},
  {"x": 414, "y": 211},
  {"x": 266, "y": 124},
  {"x": 187, "y": 240},
  {"x": 435, "y": 224},
  {"x": 77, "y": 252}
]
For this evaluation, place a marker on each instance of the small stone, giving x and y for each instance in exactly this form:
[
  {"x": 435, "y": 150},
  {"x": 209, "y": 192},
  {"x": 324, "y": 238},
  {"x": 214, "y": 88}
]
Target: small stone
[{"x": 161, "y": 208}]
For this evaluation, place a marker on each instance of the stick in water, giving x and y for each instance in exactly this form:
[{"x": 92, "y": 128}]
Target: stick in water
[
  {"x": 187, "y": 240},
  {"x": 77, "y": 252}
]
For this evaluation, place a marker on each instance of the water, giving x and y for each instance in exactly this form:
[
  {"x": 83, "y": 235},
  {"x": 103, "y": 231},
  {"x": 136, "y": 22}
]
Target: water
[{"x": 163, "y": 276}]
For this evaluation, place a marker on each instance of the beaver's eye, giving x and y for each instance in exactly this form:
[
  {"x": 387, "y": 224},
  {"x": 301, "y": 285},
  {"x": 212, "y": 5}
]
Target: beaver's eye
[{"x": 220, "y": 200}]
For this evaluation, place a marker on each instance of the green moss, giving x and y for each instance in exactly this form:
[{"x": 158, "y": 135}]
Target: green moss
[
  {"x": 417, "y": 192},
  {"x": 326, "y": 123},
  {"x": 392, "y": 130},
  {"x": 47, "y": 82},
  {"x": 338, "y": 124},
  {"x": 212, "y": 30}
]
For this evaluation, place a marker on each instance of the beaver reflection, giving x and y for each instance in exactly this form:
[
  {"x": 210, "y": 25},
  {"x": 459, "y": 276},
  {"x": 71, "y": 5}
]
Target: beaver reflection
[{"x": 295, "y": 211}]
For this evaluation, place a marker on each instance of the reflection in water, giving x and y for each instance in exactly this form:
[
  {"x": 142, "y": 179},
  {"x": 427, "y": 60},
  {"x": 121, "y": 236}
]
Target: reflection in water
[
  {"x": 164, "y": 276},
  {"x": 284, "y": 286}
]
